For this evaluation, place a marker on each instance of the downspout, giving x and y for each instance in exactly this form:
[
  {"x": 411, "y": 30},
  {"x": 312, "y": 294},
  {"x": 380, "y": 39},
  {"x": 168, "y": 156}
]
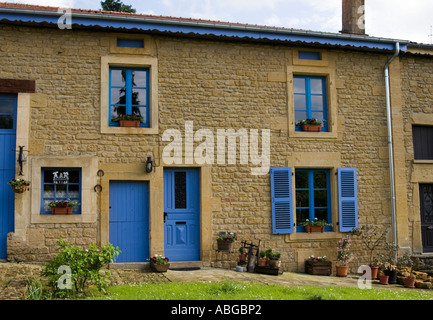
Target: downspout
[{"x": 390, "y": 147}]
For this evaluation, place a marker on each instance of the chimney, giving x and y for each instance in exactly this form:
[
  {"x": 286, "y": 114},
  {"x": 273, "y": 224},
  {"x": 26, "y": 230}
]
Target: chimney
[{"x": 353, "y": 17}]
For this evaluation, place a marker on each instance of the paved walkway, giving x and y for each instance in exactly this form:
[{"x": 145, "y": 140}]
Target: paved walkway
[{"x": 14, "y": 277}]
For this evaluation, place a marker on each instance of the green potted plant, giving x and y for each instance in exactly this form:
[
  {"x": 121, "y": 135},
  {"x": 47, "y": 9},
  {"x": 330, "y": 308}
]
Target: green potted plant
[
  {"x": 274, "y": 259},
  {"x": 225, "y": 241},
  {"x": 159, "y": 263},
  {"x": 62, "y": 206},
  {"x": 407, "y": 262},
  {"x": 389, "y": 262},
  {"x": 344, "y": 256},
  {"x": 312, "y": 124},
  {"x": 242, "y": 255},
  {"x": 19, "y": 185},
  {"x": 372, "y": 238},
  {"x": 262, "y": 259},
  {"x": 128, "y": 120}
]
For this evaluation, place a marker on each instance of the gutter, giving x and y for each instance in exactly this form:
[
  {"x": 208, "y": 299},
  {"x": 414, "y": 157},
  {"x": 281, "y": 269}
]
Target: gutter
[
  {"x": 390, "y": 146},
  {"x": 200, "y": 27}
]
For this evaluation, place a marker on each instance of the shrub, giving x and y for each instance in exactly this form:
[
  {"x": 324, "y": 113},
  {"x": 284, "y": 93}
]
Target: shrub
[{"x": 84, "y": 267}]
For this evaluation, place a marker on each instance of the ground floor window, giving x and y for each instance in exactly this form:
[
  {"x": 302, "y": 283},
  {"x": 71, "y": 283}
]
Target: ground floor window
[
  {"x": 60, "y": 184},
  {"x": 313, "y": 197}
]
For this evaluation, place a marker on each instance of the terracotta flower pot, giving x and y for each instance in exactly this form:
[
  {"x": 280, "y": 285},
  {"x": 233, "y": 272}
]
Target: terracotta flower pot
[
  {"x": 262, "y": 262},
  {"x": 374, "y": 272},
  {"x": 409, "y": 282},
  {"x": 342, "y": 271},
  {"x": 274, "y": 263},
  {"x": 383, "y": 279}
]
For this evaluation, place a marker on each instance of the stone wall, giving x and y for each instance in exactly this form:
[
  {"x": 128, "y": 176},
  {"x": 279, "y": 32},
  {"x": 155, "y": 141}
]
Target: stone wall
[{"x": 215, "y": 84}]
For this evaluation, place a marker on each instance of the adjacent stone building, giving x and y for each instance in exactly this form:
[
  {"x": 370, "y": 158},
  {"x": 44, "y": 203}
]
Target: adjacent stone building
[{"x": 218, "y": 148}]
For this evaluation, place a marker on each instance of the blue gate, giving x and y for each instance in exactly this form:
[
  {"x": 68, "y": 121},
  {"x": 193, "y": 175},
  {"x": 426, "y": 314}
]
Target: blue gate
[
  {"x": 8, "y": 112},
  {"x": 182, "y": 214},
  {"x": 129, "y": 219}
]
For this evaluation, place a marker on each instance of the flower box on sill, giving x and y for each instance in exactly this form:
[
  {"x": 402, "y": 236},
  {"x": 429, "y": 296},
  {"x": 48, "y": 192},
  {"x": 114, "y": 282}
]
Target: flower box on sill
[
  {"x": 61, "y": 210},
  {"x": 129, "y": 123},
  {"x": 312, "y": 127},
  {"x": 314, "y": 228}
]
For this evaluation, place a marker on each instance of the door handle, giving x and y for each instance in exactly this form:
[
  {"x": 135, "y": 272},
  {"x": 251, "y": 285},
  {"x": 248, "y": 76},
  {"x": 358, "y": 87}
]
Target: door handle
[{"x": 165, "y": 216}]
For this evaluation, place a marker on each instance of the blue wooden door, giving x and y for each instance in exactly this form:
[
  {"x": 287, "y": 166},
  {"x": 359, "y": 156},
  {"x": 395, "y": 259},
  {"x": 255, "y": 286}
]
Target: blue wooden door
[
  {"x": 129, "y": 219},
  {"x": 182, "y": 214},
  {"x": 8, "y": 112}
]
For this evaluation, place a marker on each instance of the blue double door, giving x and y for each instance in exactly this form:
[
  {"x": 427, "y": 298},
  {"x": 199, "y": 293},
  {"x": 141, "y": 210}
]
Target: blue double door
[
  {"x": 129, "y": 217},
  {"x": 8, "y": 116}
]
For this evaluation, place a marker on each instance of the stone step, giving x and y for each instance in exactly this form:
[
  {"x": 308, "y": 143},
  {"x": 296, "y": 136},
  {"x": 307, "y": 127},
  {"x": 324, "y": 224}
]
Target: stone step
[{"x": 174, "y": 265}]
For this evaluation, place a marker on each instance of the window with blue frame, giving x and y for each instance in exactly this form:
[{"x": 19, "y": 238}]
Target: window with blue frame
[
  {"x": 58, "y": 186},
  {"x": 129, "y": 94},
  {"x": 313, "y": 196},
  {"x": 310, "y": 100}
]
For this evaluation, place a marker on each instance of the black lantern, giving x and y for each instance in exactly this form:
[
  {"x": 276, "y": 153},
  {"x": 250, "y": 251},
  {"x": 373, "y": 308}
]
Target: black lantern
[
  {"x": 149, "y": 165},
  {"x": 21, "y": 159}
]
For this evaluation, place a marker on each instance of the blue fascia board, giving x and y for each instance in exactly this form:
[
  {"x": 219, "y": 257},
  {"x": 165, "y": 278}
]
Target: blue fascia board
[{"x": 203, "y": 28}]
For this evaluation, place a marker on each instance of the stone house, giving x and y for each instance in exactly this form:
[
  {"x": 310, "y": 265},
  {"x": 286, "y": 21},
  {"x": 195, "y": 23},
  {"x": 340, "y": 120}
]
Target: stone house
[{"x": 219, "y": 147}]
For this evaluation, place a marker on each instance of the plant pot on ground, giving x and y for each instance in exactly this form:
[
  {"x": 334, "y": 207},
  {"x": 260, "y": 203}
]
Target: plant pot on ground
[
  {"x": 383, "y": 279},
  {"x": 341, "y": 271},
  {"x": 262, "y": 261}
]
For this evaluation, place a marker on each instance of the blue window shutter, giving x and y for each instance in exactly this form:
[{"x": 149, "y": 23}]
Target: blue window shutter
[
  {"x": 347, "y": 199},
  {"x": 282, "y": 203}
]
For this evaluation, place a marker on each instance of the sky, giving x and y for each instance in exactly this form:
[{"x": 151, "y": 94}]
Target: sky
[{"x": 396, "y": 19}]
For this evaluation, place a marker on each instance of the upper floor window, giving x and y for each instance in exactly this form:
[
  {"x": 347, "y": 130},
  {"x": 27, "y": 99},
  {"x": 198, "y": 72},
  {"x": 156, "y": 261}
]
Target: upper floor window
[
  {"x": 310, "y": 100},
  {"x": 422, "y": 142},
  {"x": 129, "y": 95}
]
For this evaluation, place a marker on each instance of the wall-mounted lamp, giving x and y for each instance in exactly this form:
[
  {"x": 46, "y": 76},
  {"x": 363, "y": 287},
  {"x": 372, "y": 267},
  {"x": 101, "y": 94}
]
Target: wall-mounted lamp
[{"x": 149, "y": 165}]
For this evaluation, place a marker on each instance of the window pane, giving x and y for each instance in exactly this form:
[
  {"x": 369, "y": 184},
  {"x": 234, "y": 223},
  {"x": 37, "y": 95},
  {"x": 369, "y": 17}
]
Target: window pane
[
  {"x": 302, "y": 215},
  {"x": 316, "y": 103},
  {"x": 118, "y": 96},
  {"x": 139, "y": 97},
  {"x": 139, "y": 78},
  {"x": 321, "y": 214},
  {"x": 300, "y": 115},
  {"x": 320, "y": 179},
  {"x": 117, "y": 111},
  {"x": 301, "y": 179},
  {"x": 300, "y": 101},
  {"x": 7, "y": 106},
  {"x": 320, "y": 198},
  {"x": 302, "y": 198},
  {"x": 316, "y": 86},
  {"x": 6, "y": 122},
  {"x": 118, "y": 78},
  {"x": 299, "y": 85},
  {"x": 74, "y": 176},
  {"x": 180, "y": 190},
  {"x": 317, "y": 115}
]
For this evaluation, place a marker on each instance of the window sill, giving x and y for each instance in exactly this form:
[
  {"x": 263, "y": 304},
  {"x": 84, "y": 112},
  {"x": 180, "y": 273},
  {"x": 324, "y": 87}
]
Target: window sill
[
  {"x": 423, "y": 161},
  {"x": 304, "y": 236},
  {"x": 313, "y": 135},
  {"x": 63, "y": 218},
  {"x": 128, "y": 130}
]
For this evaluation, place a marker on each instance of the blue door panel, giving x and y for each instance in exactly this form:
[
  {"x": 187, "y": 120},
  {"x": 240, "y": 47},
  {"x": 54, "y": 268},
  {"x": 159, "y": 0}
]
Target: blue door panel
[
  {"x": 129, "y": 219},
  {"x": 8, "y": 109},
  {"x": 182, "y": 208}
]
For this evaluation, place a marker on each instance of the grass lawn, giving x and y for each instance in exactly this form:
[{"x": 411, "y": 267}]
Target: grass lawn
[{"x": 251, "y": 291}]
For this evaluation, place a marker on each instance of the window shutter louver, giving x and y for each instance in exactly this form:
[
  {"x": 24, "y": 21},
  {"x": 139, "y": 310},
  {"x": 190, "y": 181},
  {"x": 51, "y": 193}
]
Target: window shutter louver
[
  {"x": 281, "y": 197},
  {"x": 347, "y": 199}
]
